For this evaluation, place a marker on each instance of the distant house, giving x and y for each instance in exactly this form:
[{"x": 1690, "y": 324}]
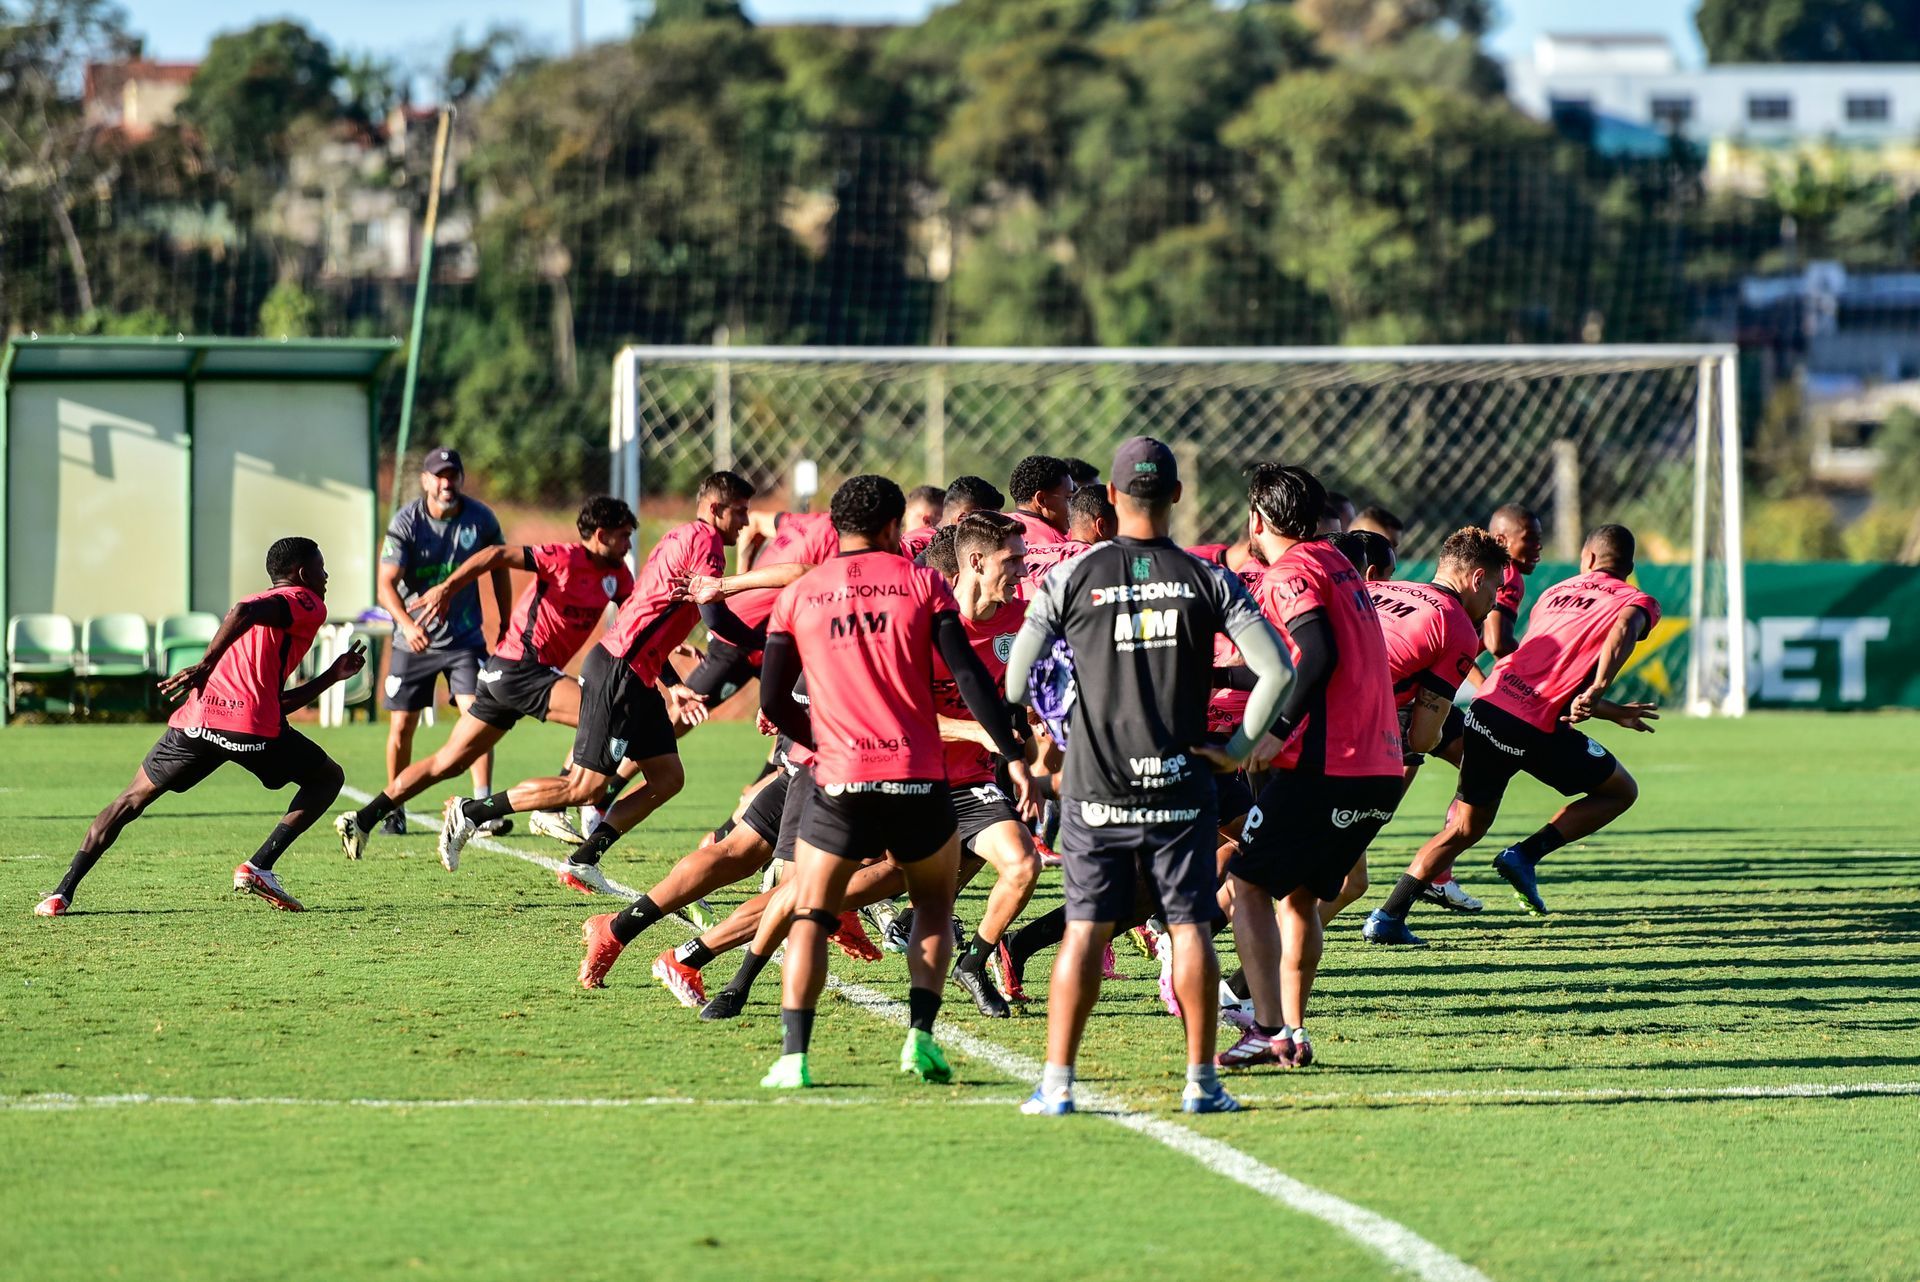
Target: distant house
[
  {"x": 1746, "y": 116},
  {"x": 134, "y": 97}
]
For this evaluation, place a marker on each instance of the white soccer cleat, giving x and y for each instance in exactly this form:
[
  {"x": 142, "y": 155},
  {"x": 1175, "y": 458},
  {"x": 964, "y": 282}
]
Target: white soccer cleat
[
  {"x": 353, "y": 838},
  {"x": 261, "y": 882},
  {"x": 54, "y": 905},
  {"x": 1450, "y": 895},
  {"x": 592, "y": 817},
  {"x": 585, "y": 878},
  {"x": 554, "y": 824},
  {"x": 456, "y": 830}
]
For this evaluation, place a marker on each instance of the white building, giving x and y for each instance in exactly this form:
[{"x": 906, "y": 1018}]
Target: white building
[{"x": 1638, "y": 80}]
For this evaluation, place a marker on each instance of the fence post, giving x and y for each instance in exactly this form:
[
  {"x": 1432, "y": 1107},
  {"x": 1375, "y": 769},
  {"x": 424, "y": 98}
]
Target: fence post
[
  {"x": 1186, "y": 516},
  {"x": 722, "y": 407},
  {"x": 1566, "y": 500},
  {"x": 936, "y": 426}
]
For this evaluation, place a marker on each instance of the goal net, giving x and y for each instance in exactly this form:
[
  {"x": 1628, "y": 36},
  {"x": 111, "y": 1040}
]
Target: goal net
[{"x": 1645, "y": 436}]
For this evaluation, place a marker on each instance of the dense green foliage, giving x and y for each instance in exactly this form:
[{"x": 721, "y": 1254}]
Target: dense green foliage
[{"x": 1810, "y": 30}]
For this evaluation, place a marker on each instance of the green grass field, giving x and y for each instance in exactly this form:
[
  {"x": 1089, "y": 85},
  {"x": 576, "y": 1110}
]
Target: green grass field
[{"x": 1606, "y": 1094}]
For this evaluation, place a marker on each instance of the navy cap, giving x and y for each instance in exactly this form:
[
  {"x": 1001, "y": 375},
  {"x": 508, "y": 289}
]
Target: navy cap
[
  {"x": 1144, "y": 468},
  {"x": 441, "y": 459}
]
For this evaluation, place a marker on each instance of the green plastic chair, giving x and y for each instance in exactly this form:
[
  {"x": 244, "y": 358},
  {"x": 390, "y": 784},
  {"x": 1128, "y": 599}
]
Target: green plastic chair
[
  {"x": 115, "y": 645},
  {"x": 39, "y": 647},
  {"x": 181, "y": 639}
]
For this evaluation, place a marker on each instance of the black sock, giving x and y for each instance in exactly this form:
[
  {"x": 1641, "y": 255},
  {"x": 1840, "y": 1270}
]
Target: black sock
[
  {"x": 693, "y": 953},
  {"x": 974, "y": 955},
  {"x": 83, "y": 862},
  {"x": 277, "y": 841},
  {"x": 1237, "y": 984},
  {"x": 720, "y": 833},
  {"x": 923, "y": 1007},
  {"x": 598, "y": 842},
  {"x": 751, "y": 964},
  {"x": 483, "y": 809},
  {"x": 1405, "y": 891},
  {"x": 796, "y": 1030},
  {"x": 634, "y": 918},
  {"x": 1541, "y": 844},
  {"x": 1268, "y": 1030},
  {"x": 1043, "y": 931},
  {"x": 374, "y": 811}
]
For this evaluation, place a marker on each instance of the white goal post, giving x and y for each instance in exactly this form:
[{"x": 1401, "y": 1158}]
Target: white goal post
[{"x": 1647, "y": 435}]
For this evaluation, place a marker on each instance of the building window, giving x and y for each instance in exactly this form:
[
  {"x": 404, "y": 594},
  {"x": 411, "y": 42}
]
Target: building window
[
  {"x": 1868, "y": 109},
  {"x": 1773, "y": 108},
  {"x": 1674, "y": 113}
]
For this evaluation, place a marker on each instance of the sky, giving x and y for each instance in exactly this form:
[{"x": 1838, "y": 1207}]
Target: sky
[{"x": 418, "y": 32}]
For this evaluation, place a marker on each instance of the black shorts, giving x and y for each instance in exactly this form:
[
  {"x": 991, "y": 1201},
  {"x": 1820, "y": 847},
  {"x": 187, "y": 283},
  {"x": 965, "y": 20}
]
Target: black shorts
[
  {"x": 1500, "y": 745},
  {"x": 792, "y": 807},
  {"x": 1233, "y": 796},
  {"x": 183, "y": 758},
  {"x": 1311, "y": 829},
  {"x": 621, "y": 716},
  {"x": 763, "y": 812},
  {"x": 722, "y": 671},
  {"x": 909, "y": 819},
  {"x": 514, "y": 688},
  {"x": 1452, "y": 730},
  {"x": 978, "y": 807},
  {"x": 1107, "y": 850},
  {"x": 410, "y": 677}
]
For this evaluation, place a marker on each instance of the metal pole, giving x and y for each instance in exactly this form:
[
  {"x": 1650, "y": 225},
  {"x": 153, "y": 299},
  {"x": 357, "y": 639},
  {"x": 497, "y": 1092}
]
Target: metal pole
[
  {"x": 1698, "y": 704},
  {"x": 1566, "y": 500},
  {"x": 1730, "y": 504},
  {"x": 420, "y": 305},
  {"x": 722, "y": 408},
  {"x": 936, "y": 443}
]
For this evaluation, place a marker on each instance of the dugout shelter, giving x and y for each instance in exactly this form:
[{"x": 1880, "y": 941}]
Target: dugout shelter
[{"x": 149, "y": 475}]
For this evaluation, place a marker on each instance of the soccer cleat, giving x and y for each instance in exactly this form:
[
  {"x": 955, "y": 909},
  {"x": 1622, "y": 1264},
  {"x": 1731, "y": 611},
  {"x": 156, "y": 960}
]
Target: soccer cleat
[
  {"x": 920, "y": 1055},
  {"x": 1235, "y": 1012},
  {"x": 1381, "y": 927},
  {"x": 1012, "y": 986},
  {"x": 1144, "y": 942},
  {"x": 726, "y": 1004},
  {"x": 585, "y": 878},
  {"x": 699, "y": 914},
  {"x": 898, "y": 933},
  {"x": 789, "y": 1073},
  {"x": 1041, "y": 1104},
  {"x": 1049, "y": 858},
  {"x": 456, "y": 830},
  {"x": 680, "y": 979},
  {"x": 1518, "y": 873},
  {"x": 1302, "y": 1049},
  {"x": 554, "y": 824},
  {"x": 851, "y": 938},
  {"x": 54, "y": 905},
  {"x": 1198, "y": 1099},
  {"x": 495, "y": 827},
  {"x": 959, "y": 934},
  {"x": 1109, "y": 968},
  {"x": 353, "y": 838},
  {"x": 1168, "y": 997},
  {"x": 603, "y": 950},
  {"x": 261, "y": 881},
  {"x": 591, "y": 817},
  {"x": 1450, "y": 896},
  {"x": 880, "y": 918},
  {"x": 1253, "y": 1048},
  {"x": 979, "y": 986},
  {"x": 395, "y": 824}
]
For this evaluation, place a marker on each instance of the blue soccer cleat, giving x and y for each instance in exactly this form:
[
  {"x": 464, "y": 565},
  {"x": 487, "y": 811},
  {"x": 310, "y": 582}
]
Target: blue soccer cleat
[
  {"x": 1198, "y": 1099},
  {"x": 1041, "y": 1104},
  {"x": 1383, "y": 928},
  {"x": 1518, "y": 873}
]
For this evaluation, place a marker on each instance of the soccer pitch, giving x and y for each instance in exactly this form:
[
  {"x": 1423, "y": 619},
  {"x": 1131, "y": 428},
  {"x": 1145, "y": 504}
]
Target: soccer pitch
[{"x": 1705, "y": 1064}]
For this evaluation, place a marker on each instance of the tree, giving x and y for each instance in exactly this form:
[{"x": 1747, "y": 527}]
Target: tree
[
  {"x": 474, "y": 71},
  {"x": 372, "y": 87},
  {"x": 254, "y": 84},
  {"x": 1810, "y": 30},
  {"x": 670, "y": 13}
]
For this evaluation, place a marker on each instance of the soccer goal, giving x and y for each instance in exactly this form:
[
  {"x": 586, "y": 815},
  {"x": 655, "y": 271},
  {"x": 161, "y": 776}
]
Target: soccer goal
[{"x": 1647, "y": 436}]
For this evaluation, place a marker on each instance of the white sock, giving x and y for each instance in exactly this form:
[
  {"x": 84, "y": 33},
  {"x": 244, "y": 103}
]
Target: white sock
[{"x": 1056, "y": 1079}]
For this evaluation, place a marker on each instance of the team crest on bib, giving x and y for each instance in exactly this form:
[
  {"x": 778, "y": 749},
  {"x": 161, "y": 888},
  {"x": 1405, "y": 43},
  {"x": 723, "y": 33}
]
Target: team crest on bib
[
  {"x": 1594, "y": 748},
  {"x": 610, "y": 583},
  {"x": 467, "y": 536},
  {"x": 1003, "y": 646},
  {"x": 616, "y": 748}
]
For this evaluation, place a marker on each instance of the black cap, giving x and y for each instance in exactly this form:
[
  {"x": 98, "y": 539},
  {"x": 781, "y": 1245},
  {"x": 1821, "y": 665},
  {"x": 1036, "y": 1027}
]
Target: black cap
[
  {"x": 441, "y": 459},
  {"x": 1144, "y": 468}
]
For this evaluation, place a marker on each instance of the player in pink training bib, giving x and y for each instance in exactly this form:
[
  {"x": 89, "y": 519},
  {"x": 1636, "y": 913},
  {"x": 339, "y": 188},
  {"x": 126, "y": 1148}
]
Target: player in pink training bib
[
  {"x": 1578, "y": 638},
  {"x": 235, "y": 710},
  {"x": 1518, "y": 530}
]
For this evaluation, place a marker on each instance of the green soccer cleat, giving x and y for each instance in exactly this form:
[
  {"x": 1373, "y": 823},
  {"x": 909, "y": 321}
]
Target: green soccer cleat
[
  {"x": 921, "y": 1056},
  {"x": 789, "y": 1073}
]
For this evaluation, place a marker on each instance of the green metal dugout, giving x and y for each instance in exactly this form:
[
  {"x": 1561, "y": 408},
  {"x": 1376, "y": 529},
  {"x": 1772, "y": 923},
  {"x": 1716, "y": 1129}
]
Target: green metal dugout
[{"x": 150, "y": 475}]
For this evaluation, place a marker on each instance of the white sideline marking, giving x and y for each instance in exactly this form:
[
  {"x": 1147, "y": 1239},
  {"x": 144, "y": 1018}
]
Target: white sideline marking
[
  {"x": 1399, "y": 1245},
  {"x": 53, "y": 1102},
  {"x": 1600, "y": 1094}
]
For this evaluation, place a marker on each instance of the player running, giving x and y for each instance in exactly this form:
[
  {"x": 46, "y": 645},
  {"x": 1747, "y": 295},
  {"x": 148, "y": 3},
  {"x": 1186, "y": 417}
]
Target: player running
[
  {"x": 1140, "y": 615},
  {"x": 236, "y": 710},
  {"x": 573, "y": 583},
  {"x": 1578, "y": 638},
  {"x": 865, "y": 626},
  {"x": 630, "y": 697},
  {"x": 1338, "y": 776},
  {"x": 1433, "y": 637}
]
